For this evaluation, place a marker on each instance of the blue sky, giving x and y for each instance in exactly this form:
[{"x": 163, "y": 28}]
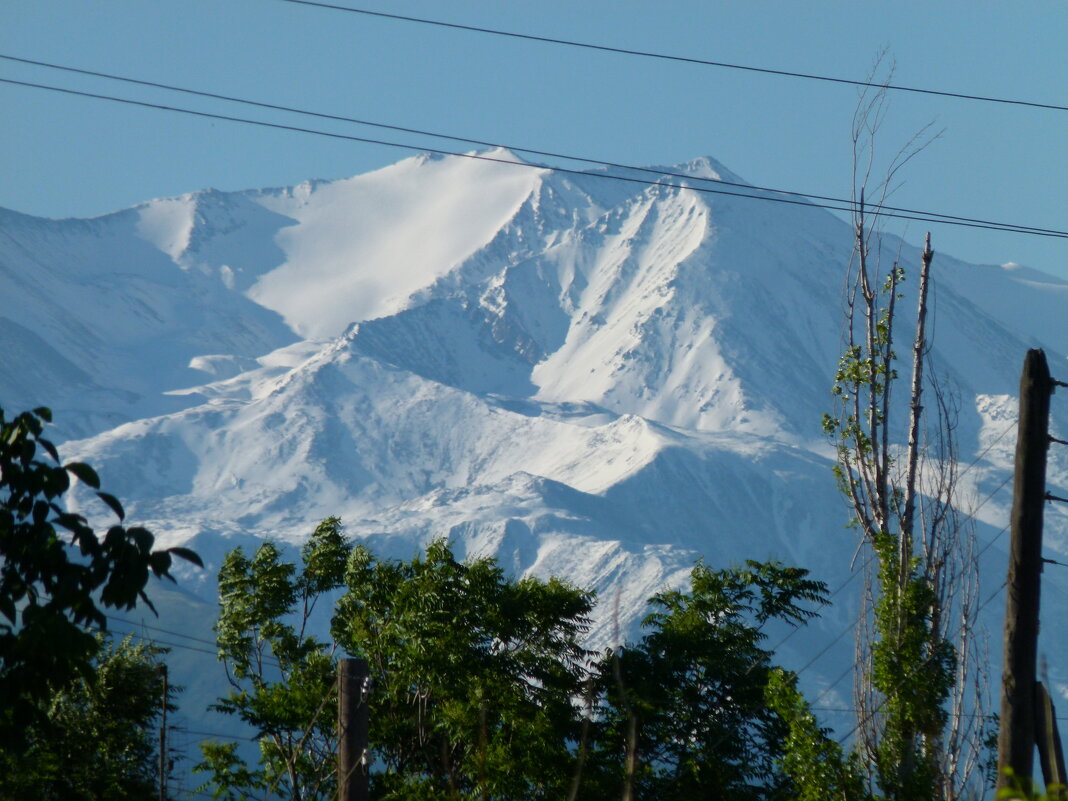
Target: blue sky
[{"x": 68, "y": 156}]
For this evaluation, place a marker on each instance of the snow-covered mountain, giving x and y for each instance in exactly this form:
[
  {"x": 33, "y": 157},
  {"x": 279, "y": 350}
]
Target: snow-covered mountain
[{"x": 583, "y": 376}]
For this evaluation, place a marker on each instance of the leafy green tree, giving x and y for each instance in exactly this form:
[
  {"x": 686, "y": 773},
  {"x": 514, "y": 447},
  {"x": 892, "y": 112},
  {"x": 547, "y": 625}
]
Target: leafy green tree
[
  {"x": 98, "y": 738},
  {"x": 475, "y": 675},
  {"x": 815, "y": 764},
  {"x": 50, "y": 596},
  {"x": 684, "y": 714},
  {"x": 483, "y": 689},
  {"x": 283, "y": 679},
  {"x": 920, "y": 702},
  {"x": 918, "y": 647}
]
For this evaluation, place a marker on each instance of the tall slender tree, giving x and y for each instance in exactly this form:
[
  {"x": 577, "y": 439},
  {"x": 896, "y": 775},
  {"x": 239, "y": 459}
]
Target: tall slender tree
[{"x": 918, "y": 692}]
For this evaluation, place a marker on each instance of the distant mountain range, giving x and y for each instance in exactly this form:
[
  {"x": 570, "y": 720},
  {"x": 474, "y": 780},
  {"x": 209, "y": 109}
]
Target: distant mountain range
[{"x": 581, "y": 376}]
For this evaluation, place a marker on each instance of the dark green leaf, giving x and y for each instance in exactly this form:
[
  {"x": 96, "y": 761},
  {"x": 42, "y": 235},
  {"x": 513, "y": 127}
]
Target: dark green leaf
[
  {"x": 143, "y": 537},
  {"x": 160, "y": 562},
  {"x": 7, "y": 606},
  {"x": 148, "y": 603},
  {"x": 72, "y": 522},
  {"x": 113, "y": 502},
  {"x": 44, "y": 644},
  {"x": 48, "y": 446},
  {"x": 88, "y": 541},
  {"x": 188, "y": 555},
  {"x": 84, "y": 473}
]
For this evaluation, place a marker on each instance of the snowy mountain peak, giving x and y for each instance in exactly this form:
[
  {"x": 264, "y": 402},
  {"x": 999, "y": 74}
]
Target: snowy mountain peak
[
  {"x": 708, "y": 168},
  {"x": 579, "y": 374}
]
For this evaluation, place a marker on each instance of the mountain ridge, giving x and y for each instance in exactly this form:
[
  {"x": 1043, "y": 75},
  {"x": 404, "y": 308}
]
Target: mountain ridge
[{"x": 600, "y": 379}]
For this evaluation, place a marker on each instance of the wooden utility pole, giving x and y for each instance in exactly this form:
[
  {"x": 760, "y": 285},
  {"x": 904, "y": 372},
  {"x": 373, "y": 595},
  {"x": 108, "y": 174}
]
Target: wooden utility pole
[
  {"x": 1016, "y": 735},
  {"x": 1050, "y": 753},
  {"x": 353, "y": 688},
  {"x": 162, "y": 669}
]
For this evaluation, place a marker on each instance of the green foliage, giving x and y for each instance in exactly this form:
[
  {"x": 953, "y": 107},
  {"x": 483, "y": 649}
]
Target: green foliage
[
  {"x": 691, "y": 695},
  {"x": 284, "y": 680},
  {"x": 482, "y": 688},
  {"x": 475, "y": 675},
  {"x": 49, "y": 598},
  {"x": 912, "y": 664},
  {"x": 1021, "y": 789},
  {"x": 813, "y": 761},
  {"x": 913, "y": 671},
  {"x": 96, "y": 738}
]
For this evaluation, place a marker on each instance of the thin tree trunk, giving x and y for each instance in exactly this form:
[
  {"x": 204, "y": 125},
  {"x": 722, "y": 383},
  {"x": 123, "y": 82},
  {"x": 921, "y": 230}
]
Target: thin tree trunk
[{"x": 916, "y": 406}]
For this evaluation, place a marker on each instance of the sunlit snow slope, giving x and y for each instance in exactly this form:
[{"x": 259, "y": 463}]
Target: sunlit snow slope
[{"x": 583, "y": 376}]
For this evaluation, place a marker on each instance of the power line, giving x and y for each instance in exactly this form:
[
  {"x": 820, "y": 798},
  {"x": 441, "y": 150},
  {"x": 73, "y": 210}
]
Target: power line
[
  {"x": 169, "y": 643},
  {"x": 871, "y": 557},
  {"x": 271, "y": 662},
  {"x": 847, "y": 629},
  {"x": 484, "y": 143},
  {"x": 626, "y": 51},
  {"x": 144, "y": 625},
  {"x": 826, "y": 601},
  {"x": 849, "y": 669},
  {"x": 215, "y": 734},
  {"x": 1053, "y": 233},
  {"x": 824, "y": 650},
  {"x": 841, "y": 740},
  {"x": 1011, "y": 426}
]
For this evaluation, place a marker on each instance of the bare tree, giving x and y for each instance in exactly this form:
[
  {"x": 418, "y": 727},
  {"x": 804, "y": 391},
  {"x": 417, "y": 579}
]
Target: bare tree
[{"x": 919, "y": 685}]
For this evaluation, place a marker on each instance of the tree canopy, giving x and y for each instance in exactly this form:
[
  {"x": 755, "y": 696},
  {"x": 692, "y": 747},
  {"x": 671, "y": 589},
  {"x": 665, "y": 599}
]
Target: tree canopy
[
  {"x": 97, "y": 741},
  {"x": 484, "y": 689},
  {"x": 687, "y": 702},
  {"x": 57, "y": 575}
]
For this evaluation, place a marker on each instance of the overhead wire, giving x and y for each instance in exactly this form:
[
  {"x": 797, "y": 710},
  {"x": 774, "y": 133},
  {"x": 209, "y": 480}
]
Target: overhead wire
[
  {"x": 845, "y": 710},
  {"x": 856, "y": 573},
  {"x": 1010, "y": 228},
  {"x": 215, "y": 734},
  {"x": 517, "y": 148},
  {"x": 849, "y": 669},
  {"x": 627, "y": 51},
  {"x": 841, "y": 740},
  {"x": 168, "y": 643},
  {"x": 923, "y": 216},
  {"x": 144, "y": 625}
]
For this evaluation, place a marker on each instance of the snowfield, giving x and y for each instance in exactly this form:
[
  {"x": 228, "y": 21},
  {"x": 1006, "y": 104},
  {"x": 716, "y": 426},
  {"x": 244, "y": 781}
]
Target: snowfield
[{"x": 580, "y": 376}]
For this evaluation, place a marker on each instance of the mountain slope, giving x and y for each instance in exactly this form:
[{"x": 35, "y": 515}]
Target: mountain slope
[{"x": 577, "y": 374}]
